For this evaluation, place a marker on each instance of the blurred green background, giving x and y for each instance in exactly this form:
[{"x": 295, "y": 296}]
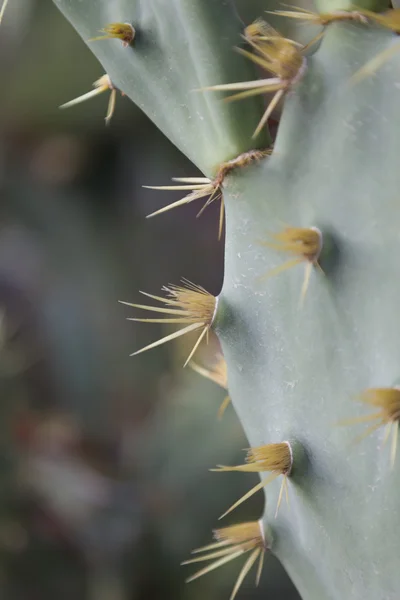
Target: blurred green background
[{"x": 104, "y": 458}]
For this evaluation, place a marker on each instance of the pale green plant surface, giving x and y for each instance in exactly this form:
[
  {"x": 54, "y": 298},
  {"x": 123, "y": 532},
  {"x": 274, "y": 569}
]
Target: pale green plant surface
[{"x": 295, "y": 369}]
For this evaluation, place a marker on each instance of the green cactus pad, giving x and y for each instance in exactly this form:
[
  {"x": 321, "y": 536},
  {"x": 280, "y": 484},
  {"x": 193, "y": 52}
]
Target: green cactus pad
[
  {"x": 293, "y": 372},
  {"x": 179, "y": 47}
]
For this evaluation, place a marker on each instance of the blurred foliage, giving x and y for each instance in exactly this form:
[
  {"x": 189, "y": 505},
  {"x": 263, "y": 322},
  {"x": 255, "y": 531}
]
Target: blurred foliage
[{"x": 104, "y": 481}]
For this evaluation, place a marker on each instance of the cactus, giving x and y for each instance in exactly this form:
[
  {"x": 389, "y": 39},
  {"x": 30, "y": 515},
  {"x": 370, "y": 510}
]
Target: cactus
[{"x": 319, "y": 202}]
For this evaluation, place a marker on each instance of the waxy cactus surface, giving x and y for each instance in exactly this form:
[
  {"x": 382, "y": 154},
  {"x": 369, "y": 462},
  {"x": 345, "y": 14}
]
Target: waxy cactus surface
[{"x": 308, "y": 316}]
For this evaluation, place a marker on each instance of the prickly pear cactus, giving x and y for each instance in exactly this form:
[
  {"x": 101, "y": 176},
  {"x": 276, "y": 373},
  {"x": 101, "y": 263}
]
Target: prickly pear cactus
[{"x": 308, "y": 316}]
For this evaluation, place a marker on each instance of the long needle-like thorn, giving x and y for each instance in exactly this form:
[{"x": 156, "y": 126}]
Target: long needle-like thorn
[
  {"x": 218, "y": 374},
  {"x": 374, "y": 64},
  {"x": 111, "y": 106},
  {"x": 271, "y": 107},
  {"x": 224, "y": 405},
  {"x": 3, "y": 10},
  {"x": 244, "y": 571},
  {"x": 250, "y": 493},
  {"x": 393, "y": 449}
]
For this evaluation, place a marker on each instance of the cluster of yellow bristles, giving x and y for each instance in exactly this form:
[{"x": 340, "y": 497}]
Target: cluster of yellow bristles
[
  {"x": 275, "y": 54},
  {"x": 304, "y": 244},
  {"x": 203, "y": 187},
  {"x": 189, "y": 305},
  {"x": 117, "y": 31},
  {"x": 274, "y": 458},
  {"x": 198, "y": 187},
  {"x": 387, "y": 401},
  {"x": 232, "y": 542}
]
